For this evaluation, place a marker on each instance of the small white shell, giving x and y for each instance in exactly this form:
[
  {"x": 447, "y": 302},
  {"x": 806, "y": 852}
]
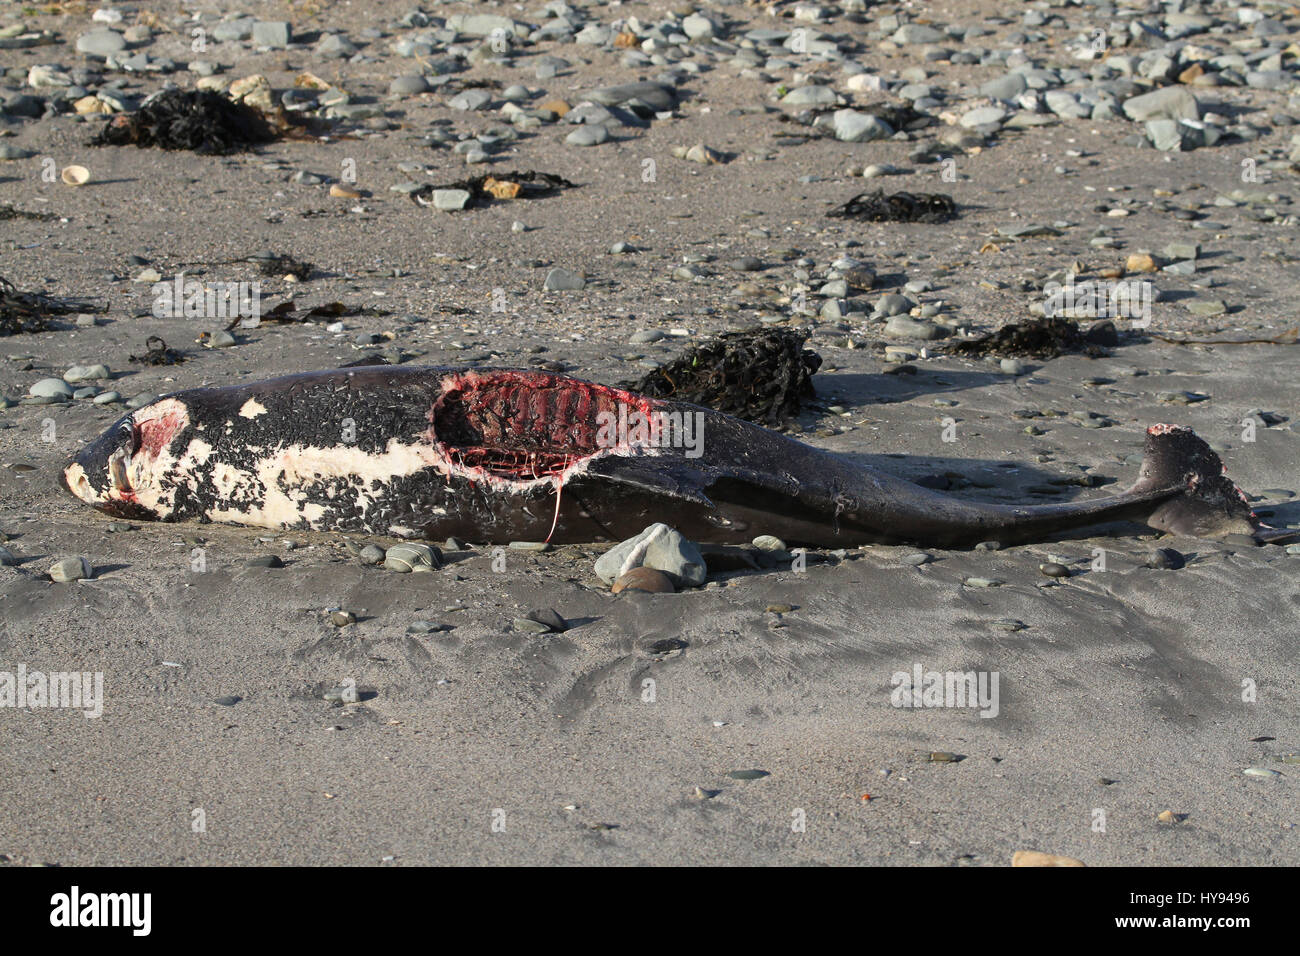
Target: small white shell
[{"x": 75, "y": 175}]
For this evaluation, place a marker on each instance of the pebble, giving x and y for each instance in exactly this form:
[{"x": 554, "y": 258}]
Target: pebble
[
  {"x": 230, "y": 700},
  {"x": 1164, "y": 559},
  {"x": 55, "y": 388},
  {"x": 537, "y": 546},
  {"x": 643, "y": 579},
  {"x": 562, "y": 280},
  {"x": 265, "y": 561},
  {"x": 529, "y": 626},
  {"x": 982, "y": 582},
  {"x": 101, "y": 43},
  {"x": 449, "y": 200},
  {"x": 549, "y": 618},
  {"x": 67, "y": 570},
  {"x": 408, "y": 557},
  {"x": 659, "y": 547},
  {"x": 86, "y": 373},
  {"x": 588, "y": 135},
  {"x": 768, "y": 542},
  {"x": 917, "y": 558},
  {"x": 1054, "y": 570}
]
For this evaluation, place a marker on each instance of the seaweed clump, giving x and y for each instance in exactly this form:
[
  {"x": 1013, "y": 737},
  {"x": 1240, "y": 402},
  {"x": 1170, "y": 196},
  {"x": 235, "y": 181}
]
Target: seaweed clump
[
  {"x": 201, "y": 121},
  {"x": 1042, "y": 338},
  {"x": 899, "y": 207},
  {"x": 761, "y": 375},
  {"x": 30, "y": 311}
]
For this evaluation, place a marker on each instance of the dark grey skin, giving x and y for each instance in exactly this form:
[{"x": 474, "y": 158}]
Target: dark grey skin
[{"x": 502, "y": 427}]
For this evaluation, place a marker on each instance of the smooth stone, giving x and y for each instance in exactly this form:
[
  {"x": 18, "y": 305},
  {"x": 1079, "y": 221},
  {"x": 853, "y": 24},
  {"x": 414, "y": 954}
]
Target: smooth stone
[
  {"x": 101, "y": 43},
  {"x": 587, "y": 135},
  {"x": 274, "y": 34},
  {"x": 450, "y": 199},
  {"x": 646, "y": 580},
  {"x": 903, "y": 327},
  {"x": 71, "y": 569},
  {"x": 1168, "y": 103},
  {"x": 850, "y": 126},
  {"x": 983, "y": 116},
  {"x": 55, "y": 388},
  {"x": 562, "y": 280},
  {"x": 86, "y": 373},
  {"x": 659, "y": 547},
  {"x": 407, "y": 85},
  {"x": 549, "y": 618},
  {"x": 1164, "y": 559},
  {"x": 810, "y": 96},
  {"x": 411, "y": 557}
]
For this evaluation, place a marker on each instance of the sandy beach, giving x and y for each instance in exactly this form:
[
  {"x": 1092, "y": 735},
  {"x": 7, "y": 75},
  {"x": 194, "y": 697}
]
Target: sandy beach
[{"x": 1131, "y": 700}]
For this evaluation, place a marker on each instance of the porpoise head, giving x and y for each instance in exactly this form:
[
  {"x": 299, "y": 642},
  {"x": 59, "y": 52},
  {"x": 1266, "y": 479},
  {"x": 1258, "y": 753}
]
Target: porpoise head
[{"x": 124, "y": 471}]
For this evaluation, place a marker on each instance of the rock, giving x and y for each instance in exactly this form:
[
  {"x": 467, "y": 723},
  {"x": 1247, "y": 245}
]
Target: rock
[
  {"x": 810, "y": 96},
  {"x": 71, "y": 569},
  {"x": 450, "y": 199},
  {"x": 86, "y": 373},
  {"x": 274, "y": 34},
  {"x": 902, "y": 327},
  {"x": 1206, "y": 307},
  {"x": 1164, "y": 559},
  {"x": 485, "y": 24},
  {"x": 238, "y": 29},
  {"x": 1035, "y": 858},
  {"x": 101, "y": 43},
  {"x": 549, "y": 618},
  {"x": 768, "y": 542},
  {"x": 1054, "y": 570},
  {"x": 659, "y": 547},
  {"x": 699, "y": 153},
  {"x": 850, "y": 126},
  {"x": 983, "y": 116},
  {"x": 911, "y": 33},
  {"x": 409, "y": 85},
  {"x": 470, "y": 100},
  {"x": 1004, "y": 87},
  {"x": 1169, "y": 103},
  {"x": 654, "y": 96},
  {"x": 55, "y": 388},
  {"x": 43, "y": 76},
  {"x": 1141, "y": 262},
  {"x": 412, "y": 557},
  {"x": 587, "y": 136},
  {"x": 1011, "y": 366},
  {"x": 562, "y": 280},
  {"x": 647, "y": 580},
  {"x": 698, "y": 26}
]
